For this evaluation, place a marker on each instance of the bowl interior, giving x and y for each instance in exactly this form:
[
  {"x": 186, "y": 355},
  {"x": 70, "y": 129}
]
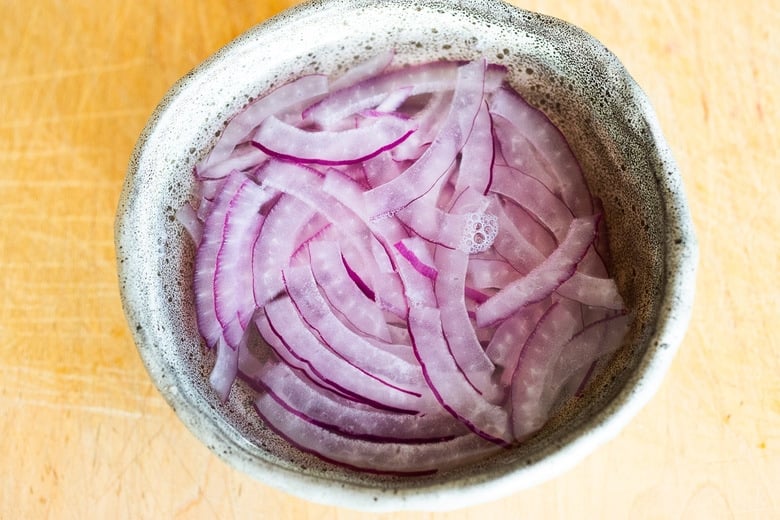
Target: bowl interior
[{"x": 570, "y": 76}]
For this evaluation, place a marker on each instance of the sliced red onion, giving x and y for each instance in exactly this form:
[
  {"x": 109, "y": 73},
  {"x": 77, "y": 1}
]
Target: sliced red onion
[
  {"x": 390, "y": 458},
  {"x": 478, "y": 155},
  {"x": 512, "y": 245},
  {"x": 206, "y": 260},
  {"x": 507, "y": 342},
  {"x": 390, "y": 364},
  {"x": 514, "y": 150},
  {"x": 539, "y": 355},
  {"x": 352, "y": 146},
  {"x": 449, "y": 384},
  {"x": 534, "y": 197},
  {"x": 369, "y": 93},
  {"x": 353, "y": 302},
  {"x": 429, "y": 119},
  {"x": 416, "y": 275},
  {"x": 363, "y": 71},
  {"x": 489, "y": 273},
  {"x": 459, "y": 333},
  {"x": 592, "y": 343},
  {"x": 471, "y": 229},
  {"x": 543, "y": 279},
  {"x": 535, "y": 233},
  {"x": 251, "y": 366},
  {"x": 407, "y": 269},
  {"x": 589, "y": 290},
  {"x": 225, "y": 369},
  {"x": 337, "y": 414},
  {"x": 551, "y": 146},
  {"x": 395, "y": 99},
  {"x": 234, "y": 305},
  {"x": 321, "y": 362},
  {"x": 418, "y": 179},
  {"x": 243, "y": 124},
  {"x": 243, "y": 158},
  {"x": 276, "y": 243},
  {"x": 410, "y": 249}
]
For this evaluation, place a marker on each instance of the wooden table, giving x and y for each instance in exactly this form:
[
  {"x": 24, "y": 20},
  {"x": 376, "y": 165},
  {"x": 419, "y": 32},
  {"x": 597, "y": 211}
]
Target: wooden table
[{"x": 83, "y": 433}]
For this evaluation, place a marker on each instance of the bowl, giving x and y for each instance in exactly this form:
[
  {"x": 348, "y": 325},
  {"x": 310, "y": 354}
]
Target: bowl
[{"x": 560, "y": 69}]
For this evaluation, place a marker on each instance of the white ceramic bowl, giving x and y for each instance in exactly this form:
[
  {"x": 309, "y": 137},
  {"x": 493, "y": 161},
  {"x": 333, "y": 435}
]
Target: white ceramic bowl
[{"x": 568, "y": 74}]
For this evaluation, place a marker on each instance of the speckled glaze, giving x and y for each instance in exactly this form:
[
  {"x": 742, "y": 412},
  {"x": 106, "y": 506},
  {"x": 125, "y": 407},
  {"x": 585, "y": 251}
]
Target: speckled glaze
[{"x": 565, "y": 72}]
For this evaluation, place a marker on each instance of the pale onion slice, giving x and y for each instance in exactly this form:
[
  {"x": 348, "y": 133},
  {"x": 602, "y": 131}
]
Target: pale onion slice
[
  {"x": 345, "y": 102},
  {"x": 363, "y": 71},
  {"x": 234, "y": 305},
  {"x": 594, "y": 342},
  {"x": 355, "y": 145},
  {"x": 419, "y": 178},
  {"x": 322, "y": 362},
  {"x": 478, "y": 155},
  {"x": 243, "y": 124},
  {"x": 347, "y": 417},
  {"x": 389, "y": 458},
  {"x": 206, "y": 261},
  {"x": 448, "y": 382},
  {"x": 540, "y": 352},
  {"x": 553, "y": 150},
  {"x": 383, "y": 360},
  {"x": 459, "y": 334},
  {"x": 276, "y": 243},
  {"x": 507, "y": 342},
  {"x": 533, "y": 196},
  {"x": 352, "y": 299},
  {"x": 187, "y": 216},
  {"x": 543, "y": 279}
]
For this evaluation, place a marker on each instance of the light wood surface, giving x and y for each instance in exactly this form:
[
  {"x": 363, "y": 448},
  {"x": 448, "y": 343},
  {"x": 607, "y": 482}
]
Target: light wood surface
[{"x": 84, "y": 434}]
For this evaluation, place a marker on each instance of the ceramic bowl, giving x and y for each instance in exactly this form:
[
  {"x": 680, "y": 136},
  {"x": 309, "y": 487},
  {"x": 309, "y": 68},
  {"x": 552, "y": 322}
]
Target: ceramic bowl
[{"x": 565, "y": 72}]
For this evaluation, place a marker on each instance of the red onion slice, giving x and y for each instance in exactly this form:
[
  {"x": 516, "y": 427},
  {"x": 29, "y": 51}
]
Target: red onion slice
[
  {"x": 321, "y": 362},
  {"x": 242, "y": 125},
  {"x": 535, "y": 198},
  {"x": 391, "y": 364},
  {"x": 543, "y": 279},
  {"x": 478, "y": 155},
  {"x": 234, "y": 305},
  {"x": 363, "y": 71},
  {"x": 223, "y": 374},
  {"x": 592, "y": 343},
  {"x": 390, "y": 458},
  {"x": 369, "y": 93},
  {"x": 418, "y": 179},
  {"x": 507, "y": 342},
  {"x": 346, "y": 417},
  {"x": 539, "y": 355},
  {"x": 351, "y": 146},
  {"x": 354, "y": 303},
  {"x": 551, "y": 146},
  {"x": 206, "y": 260},
  {"x": 448, "y": 382},
  {"x": 276, "y": 243},
  {"x": 458, "y": 330}
]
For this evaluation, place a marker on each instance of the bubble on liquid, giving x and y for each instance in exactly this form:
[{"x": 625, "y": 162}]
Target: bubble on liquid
[{"x": 479, "y": 232}]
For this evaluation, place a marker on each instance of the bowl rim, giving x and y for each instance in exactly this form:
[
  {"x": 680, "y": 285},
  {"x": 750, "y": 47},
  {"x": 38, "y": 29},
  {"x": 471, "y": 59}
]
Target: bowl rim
[{"x": 681, "y": 260}]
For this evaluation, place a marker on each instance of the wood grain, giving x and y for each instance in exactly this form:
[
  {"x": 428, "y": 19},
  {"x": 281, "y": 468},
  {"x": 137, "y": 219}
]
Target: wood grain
[{"x": 83, "y": 434}]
